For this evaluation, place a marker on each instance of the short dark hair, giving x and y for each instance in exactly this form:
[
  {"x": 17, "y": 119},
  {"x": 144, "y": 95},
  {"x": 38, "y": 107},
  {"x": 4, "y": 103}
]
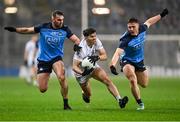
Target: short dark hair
[
  {"x": 88, "y": 31},
  {"x": 133, "y": 20},
  {"x": 57, "y": 12}
]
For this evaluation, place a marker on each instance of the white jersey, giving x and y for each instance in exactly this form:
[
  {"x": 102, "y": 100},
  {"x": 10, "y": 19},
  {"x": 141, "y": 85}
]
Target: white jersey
[
  {"x": 30, "y": 48},
  {"x": 87, "y": 51}
]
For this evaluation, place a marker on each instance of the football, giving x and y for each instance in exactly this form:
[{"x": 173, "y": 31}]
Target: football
[{"x": 86, "y": 63}]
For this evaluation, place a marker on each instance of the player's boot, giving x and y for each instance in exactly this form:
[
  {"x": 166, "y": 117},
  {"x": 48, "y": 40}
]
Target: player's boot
[
  {"x": 123, "y": 102},
  {"x": 140, "y": 106},
  {"x": 67, "y": 107},
  {"x": 85, "y": 98}
]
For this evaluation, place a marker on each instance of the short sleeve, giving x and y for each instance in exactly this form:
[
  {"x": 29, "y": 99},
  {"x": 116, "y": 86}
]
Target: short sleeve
[
  {"x": 69, "y": 33},
  {"x": 143, "y": 28},
  {"x": 99, "y": 44},
  {"x": 37, "y": 28},
  {"x": 122, "y": 43}
]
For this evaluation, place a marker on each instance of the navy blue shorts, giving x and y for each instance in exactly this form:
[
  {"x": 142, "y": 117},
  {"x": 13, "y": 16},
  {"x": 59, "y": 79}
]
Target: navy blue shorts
[
  {"x": 46, "y": 66},
  {"x": 138, "y": 66}
]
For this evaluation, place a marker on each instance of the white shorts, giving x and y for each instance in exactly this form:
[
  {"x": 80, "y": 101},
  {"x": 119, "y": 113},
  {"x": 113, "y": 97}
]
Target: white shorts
[{"x": 83, "y": 79}]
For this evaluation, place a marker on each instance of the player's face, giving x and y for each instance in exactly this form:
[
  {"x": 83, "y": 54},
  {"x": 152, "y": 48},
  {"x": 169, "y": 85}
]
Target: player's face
[
  {"x": 133, "y": 28},
  {"x": 91, "y": 39},
  {"x": 58, "y": 21}
]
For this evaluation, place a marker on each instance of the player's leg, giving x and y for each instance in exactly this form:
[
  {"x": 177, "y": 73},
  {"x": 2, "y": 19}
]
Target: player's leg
[
  {"x": 43, "y": 78},
  {"x": 86, "y": 91},
  {"x": 100, "y": 75},
  {"x": 59, "y": 70},
  {"x": 129, "y": 72},
  {"x": 85, "y": 86},
  {"x": 143, "y": 79},
  {"x": 43, "y": 74}
]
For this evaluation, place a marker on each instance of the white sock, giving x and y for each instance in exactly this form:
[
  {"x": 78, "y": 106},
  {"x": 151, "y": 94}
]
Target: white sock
[{"x": 118, "y": 98}]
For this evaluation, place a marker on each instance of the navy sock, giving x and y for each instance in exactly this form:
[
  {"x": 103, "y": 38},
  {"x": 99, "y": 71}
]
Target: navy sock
[
  {"x": 139, "y": 101},
  {"x": 65, "y": 101}
]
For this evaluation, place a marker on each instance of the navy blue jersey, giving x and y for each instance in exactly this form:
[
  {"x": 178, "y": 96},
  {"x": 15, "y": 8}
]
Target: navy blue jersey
[
  {"x": 133, "y": 45},
  {"x": 51, "y": 41}
]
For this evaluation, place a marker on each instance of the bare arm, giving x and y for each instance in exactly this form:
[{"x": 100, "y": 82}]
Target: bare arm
[
  {"x": 76, "y": 67},
  {"x": 116, "y": 56},
  {"x": 152, "y": 20},
  {"x": 21, "y": 30},
  {"x": 75, "y": 39},
  {"x": 102, "y": 54},
  {"x": 25, "y": 30},
  {"x": 156, "y": 18}
]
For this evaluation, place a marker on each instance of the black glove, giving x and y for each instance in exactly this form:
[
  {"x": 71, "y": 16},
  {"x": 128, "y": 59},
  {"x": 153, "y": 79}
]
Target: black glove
[
  {"x": 11, "y": 29},
  {"x": 87, "y": 71},
  {"x": 113, "y": 70},
  {"x": 25, "y": 63},
  {"x": 164, "y": 13},
  {"x": 93, "y": 59},
  {"x": 77, "y": 48}
]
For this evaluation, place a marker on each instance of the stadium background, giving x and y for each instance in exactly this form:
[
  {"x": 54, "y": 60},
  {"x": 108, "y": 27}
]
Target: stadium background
[{"x": 162, "y": 50}]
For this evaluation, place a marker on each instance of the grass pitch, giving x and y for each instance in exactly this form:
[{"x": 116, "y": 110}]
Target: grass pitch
[{"x": 22, "y": 102}]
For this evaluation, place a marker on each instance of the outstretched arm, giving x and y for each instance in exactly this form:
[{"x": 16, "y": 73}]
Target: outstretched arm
[
  {"x": 156, "y": 18},
  {"x": 21, "y": 30}
]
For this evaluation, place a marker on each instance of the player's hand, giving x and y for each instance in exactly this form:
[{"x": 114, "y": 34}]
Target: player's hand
[
  {"x": 113, "y": 70},
  {"x": 87, "y": 71},
  {"x": 25, "y": 63},
  {"x": 93, "y": 59},
  {"x": 77, "y": 48},
  {"x": 11, "y": 29},
  {"x": 164, "y": 13}
]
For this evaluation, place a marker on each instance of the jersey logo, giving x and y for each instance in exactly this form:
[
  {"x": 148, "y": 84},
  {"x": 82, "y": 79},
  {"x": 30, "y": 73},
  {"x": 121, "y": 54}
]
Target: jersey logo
[{"x": 52, "y": 40}]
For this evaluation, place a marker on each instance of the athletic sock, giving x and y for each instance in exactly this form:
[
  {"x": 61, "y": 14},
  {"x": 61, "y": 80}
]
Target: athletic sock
[
  {"x": 118, "y": 98},
  {"x": 65, "y": 101},
  {"x": 139, "y": 101}
]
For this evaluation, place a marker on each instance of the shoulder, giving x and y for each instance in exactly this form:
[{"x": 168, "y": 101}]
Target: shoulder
[
  {"x": 125, "y": 36},
  {"x": 124, "y": 40},
  {"x": 42, "y": 25},
  {"x": 142, "y": 28},
  {"x": 65, "y": 28}
]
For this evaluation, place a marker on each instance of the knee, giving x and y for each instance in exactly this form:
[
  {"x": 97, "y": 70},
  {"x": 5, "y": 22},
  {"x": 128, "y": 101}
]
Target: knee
[
  {"x": 133, "y": 82},
  {"x": 61, "y": 77},
  {"x": 144, "y": 85},
  {"x": 42, "y": 90}
]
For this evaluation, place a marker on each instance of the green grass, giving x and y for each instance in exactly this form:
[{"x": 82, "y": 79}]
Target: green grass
[{"x": 20, "y": 101}]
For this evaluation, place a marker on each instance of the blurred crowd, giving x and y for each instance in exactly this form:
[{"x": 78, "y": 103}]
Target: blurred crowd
[
  {"x": 122, "y": 10},
  {"x": 34, "y": 12}
]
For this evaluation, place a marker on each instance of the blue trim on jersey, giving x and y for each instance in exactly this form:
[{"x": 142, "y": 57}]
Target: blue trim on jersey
[
  {"x": 133, "y": 45},
  {"x": 51, "y": 42}
]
